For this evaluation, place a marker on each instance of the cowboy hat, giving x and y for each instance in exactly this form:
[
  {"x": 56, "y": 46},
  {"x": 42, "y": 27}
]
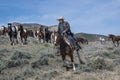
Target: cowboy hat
[{"x": 60, "y": 18}]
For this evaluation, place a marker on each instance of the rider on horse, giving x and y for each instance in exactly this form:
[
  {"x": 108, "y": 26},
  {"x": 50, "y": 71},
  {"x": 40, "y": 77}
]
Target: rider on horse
[{"x": 65, "y": 31}]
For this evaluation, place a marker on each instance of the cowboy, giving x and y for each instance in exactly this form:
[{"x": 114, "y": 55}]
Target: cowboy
[{"x": 64, "y": 30}]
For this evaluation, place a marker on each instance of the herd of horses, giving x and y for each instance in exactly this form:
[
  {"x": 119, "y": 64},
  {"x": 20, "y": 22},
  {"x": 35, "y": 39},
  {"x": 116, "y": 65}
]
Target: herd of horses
[
  {"x": 43, "y": 34},
  {"x": 19, "y": 31}
]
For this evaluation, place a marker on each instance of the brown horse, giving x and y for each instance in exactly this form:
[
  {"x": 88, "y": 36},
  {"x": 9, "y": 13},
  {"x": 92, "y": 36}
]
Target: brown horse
[
  {"x": 23, "y": 34},
  {"x": 81, "y": 40},
  {"x": 65, "y": 49},
  {"x": 40, "y": 34},
  {"x": 115, "y": 39},
  {"x": 4, "y": 30}
]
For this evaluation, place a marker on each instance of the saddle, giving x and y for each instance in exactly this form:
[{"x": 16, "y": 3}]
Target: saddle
[{"x": 68, "y": 42}]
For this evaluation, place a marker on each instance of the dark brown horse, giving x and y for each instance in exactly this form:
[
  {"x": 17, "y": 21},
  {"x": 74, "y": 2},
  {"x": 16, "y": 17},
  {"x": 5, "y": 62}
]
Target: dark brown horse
[
  {"x": 65, "y": 49},
  {"x": 30, "y": 33},
  {"x": 47, "y": 35},
  {"x": 115, "y": 39},
  {"x": 23, "y": 34},
  {"x": 81, "y": 40}
]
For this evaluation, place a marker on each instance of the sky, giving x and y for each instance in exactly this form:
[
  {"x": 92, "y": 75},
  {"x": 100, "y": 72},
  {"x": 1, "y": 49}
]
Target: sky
[{"x": 87, "y": 16}]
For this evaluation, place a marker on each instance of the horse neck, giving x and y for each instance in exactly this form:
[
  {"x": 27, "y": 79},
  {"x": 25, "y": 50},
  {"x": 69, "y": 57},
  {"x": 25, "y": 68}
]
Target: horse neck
[
  {"x": 21, "y": 30},
  {"x": 62, "y": 42}
]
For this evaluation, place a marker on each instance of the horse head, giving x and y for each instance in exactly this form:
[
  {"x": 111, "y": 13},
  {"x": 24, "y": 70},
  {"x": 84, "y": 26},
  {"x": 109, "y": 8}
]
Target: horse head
[
  {"x": 111, "y": 36},
  {"x": 20, "y": 28},
  {"x": 56, "y": 38}
]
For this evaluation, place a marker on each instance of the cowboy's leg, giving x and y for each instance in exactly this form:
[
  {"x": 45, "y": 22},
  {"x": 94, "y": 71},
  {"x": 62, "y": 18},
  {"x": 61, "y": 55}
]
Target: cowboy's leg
[{"x": 72, "y": 40}]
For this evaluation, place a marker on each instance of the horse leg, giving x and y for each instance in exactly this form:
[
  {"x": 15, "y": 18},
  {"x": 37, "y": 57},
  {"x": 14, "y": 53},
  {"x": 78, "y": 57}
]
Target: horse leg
[
  {"x": 72, "y": 60},
  {"x": 12, "y": 40},
  {"x": 25, "y": 39},
  {"x": 63, "y": 58},
  {"x": 21, "y": 39},
  {"x": 81, "y": 62},
  {"x": 117, "y": 43},
  {"x": 16, "y": 39},
  {"x": 113, "y": 43}
]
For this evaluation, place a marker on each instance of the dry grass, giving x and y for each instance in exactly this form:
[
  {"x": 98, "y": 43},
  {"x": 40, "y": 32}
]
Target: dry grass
[{"x": 37, "y": 61}]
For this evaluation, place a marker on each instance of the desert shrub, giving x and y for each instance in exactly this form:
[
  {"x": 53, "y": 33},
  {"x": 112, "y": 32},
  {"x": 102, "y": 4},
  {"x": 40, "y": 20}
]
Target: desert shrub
[
  {"x": 3, "y": 40},
  {"x": 20, "y": 55},
  {"x": 105, "y": 54},
  {"x": 2, "y": 55},
  {"x": 28, "y": 73},
  {"x": 12, "y": 63},
  {"x": 85, "y": 68},
  {"x": 35, "y": 42},
  {"x": 18, "y": 77},
  {"x": 109, "y": 55},
  {"x": 43, "y": 60},
  {"x": 46, "y": 45},
  {"x": 49, "y": 55},
  {"x": 51, "y": 74},
  {"x": 2, "y": 65},
  {"x": 116, "y": 62},
  {"x": 15, "y": 63},
  {"x": 4, "y": 51},
  {"x": 90, "y": 78},
  {"x": 116, "y": 52},
  {"x": 98, "y": 63}
]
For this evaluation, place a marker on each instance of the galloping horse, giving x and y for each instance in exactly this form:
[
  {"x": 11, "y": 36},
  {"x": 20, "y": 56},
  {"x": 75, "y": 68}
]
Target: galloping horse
[
  {"x": 30, "y": 33},
  {"x": 81, "y": 40},
  {"x": 23, "y": 34},
  {"x": 4, "y": 30},
  {"x": 47, "y": 35},
  {"x": 102, "y": 40},
  {"x": 65, "y": 49},
  {"x": 12, "y": 33},
  {"x": 40, "y": 34},
  {"x": 115, "y": 39}
]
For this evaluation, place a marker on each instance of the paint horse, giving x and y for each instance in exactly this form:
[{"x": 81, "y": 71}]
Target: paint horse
[
  {"x": 23, "y": 34},
  {"x": 12, "y": 33},
  {"x": 65, "y": 49}
]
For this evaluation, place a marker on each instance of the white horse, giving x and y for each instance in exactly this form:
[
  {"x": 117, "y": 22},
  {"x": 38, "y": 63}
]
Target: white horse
[{"x": 102, "y": 40}]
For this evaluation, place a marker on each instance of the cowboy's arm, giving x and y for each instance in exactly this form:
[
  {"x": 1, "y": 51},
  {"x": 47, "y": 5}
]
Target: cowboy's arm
[
  {"x": 58, "y": 28},
  {"x": 67, "y": 27}
]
